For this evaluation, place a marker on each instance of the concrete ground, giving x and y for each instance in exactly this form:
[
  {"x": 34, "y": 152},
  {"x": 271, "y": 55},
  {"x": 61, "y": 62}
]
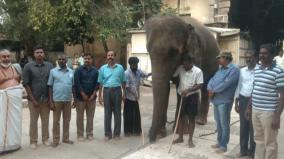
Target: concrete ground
[{"x": 131, "y": 147}]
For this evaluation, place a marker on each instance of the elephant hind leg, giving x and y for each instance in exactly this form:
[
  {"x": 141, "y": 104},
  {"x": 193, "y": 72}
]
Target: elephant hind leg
[{"x": 203, "y": 107}]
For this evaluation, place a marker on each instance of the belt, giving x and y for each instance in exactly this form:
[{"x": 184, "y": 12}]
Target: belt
[
  {"x": 112, "y": 88},
  {"x": 244, "y": 96}
]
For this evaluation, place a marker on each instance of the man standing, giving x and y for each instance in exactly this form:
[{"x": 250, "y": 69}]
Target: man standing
[
  {"x": 221, "y": 89},
  {"x": 267, "y": 103},
  {"x": 191, "y": 80},
  {"x": 242, "y": 97},
  {"x": 280, "y": 59},
  {"x": 60, "y": 84},
  {"x": 35, "y": 77},
  {"x": 10, "y": 104},
  {"x": 131, "y": 113},
  {"x": 112, "y": 78},
  {"x": 86, "y": 87}
]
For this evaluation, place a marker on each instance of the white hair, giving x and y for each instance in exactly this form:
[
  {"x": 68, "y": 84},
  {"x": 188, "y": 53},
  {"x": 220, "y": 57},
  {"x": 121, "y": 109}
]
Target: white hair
[{"x": 4, "y": 51}]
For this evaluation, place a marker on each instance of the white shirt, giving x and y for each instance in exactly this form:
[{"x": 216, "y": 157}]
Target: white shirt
[
  {"x": 188, "y": 78},
  {"x": 245, "y": 84},
  {"x": 279, "y": 61}
]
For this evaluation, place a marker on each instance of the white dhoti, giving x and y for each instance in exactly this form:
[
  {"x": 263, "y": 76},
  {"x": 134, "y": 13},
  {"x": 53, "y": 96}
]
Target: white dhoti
[{"x": 10, "y": 118}]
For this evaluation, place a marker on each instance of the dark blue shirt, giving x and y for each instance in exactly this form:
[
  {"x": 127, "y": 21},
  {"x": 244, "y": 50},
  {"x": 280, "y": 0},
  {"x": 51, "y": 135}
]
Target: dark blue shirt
[{"x": 85, "y": 79}]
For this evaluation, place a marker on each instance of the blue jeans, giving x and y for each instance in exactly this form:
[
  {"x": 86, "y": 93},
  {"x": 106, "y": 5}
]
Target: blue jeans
[{"x": 222, "y": 115}]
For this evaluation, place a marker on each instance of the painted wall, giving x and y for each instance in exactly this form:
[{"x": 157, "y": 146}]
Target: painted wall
[
  {"x": 137, "y": 47},
  {"x": 97, "y": 50},
  {"x": 198, "y": 9}
]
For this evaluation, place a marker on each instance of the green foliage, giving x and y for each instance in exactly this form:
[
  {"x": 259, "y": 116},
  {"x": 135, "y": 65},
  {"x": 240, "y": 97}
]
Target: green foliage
[
  {"x": 53, "y": 22},
  {"x": 43, "y": 16},
  {"x": 144, "y": 9},
  {"x": 70, "y": 19},
  {"x": 14, "y": 19},
  {"x": 78, "y": 21},
  {"x": 15, "y": 23},
  {"x": 112, "y": 22}
]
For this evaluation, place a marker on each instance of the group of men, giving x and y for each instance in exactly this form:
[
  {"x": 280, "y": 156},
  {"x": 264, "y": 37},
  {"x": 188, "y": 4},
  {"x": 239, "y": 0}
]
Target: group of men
[
  {"x": 60, "y": 88},
  {"x": 257, "y": 89},
  {"x": 258, "y": 92}
]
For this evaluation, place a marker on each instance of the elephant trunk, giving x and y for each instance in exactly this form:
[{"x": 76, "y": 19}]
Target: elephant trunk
[{"x": 161, "y": 89}]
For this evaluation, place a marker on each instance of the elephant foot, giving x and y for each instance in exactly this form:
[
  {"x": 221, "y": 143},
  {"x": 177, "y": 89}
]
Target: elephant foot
[
  {"x": 152, "y": 135},
  {"x": 178, "y": 140},
  {"x": 162, "y": 133},
  {"x": 201, "y": 120},
  {"x": 190, "y": 144}
]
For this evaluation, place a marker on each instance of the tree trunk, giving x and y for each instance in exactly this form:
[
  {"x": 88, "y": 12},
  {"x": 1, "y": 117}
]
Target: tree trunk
[
  {"x": 83, "y": 47},
  {"x": 29, "y": 44},
  {"x": 105, "y": 45},
  {"x": 123, "y": 53}
]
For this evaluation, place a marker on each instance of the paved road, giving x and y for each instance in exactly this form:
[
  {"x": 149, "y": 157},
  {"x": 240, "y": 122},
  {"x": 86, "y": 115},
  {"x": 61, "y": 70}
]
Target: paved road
[
  {"x": 131, "y": 147},
  {"x": 96, "y": 149}
]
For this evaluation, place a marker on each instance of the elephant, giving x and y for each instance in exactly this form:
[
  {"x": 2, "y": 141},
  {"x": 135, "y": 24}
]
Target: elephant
[{"x": 169, "y": 39}]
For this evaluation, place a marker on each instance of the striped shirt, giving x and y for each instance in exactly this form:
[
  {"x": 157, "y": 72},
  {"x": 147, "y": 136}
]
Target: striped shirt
[{"x": 267, "y": 82}]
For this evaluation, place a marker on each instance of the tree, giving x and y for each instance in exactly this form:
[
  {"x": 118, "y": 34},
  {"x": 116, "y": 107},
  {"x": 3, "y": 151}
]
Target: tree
[
  {"x": 55, "y": 22},
  {"x": 51, "y": 23},
  {"x": 78, "y": 21},
  {"x": 44, "y": 19},
  {"x": 70, "y": 20},
  {"x": 15, "y": 25},
  {"x": 111, "y": 21},
  {"x": 144, "y": 9}
]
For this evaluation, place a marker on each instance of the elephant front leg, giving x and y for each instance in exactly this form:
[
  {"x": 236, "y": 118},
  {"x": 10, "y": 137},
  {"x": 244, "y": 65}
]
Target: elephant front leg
[
  {"x": 161, "y": 89},
  {"x": 156, "y": 125},
  {"x": 158, "y": 128}
]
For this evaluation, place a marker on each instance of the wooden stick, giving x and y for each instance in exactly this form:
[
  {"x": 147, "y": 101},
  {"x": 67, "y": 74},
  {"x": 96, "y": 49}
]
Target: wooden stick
[
  {"x": 141, "y": 123},
  {"x": 176, "y": 126}
]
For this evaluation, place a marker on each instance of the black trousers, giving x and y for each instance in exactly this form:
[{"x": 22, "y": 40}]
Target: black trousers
[
  {"x": 247, "y": 144},
  {"x": 131, "y": 116}
]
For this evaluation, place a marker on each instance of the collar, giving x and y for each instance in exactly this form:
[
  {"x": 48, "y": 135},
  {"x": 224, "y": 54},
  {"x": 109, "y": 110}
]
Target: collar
[
  {"x": 191, "y": 70},
  {"x": 228, "y": 66},
  {"x": 63, "y": 69},
  {"x": 247, "y": 69},
  {"x": 36, "y": 64},
  {"x": 87, "y": 68},
  {"x": 273, "y": 64},
  {"x": 114, "y": 66}
]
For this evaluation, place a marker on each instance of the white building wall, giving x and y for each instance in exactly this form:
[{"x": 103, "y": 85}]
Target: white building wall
[{"x": 198, "y": 9}]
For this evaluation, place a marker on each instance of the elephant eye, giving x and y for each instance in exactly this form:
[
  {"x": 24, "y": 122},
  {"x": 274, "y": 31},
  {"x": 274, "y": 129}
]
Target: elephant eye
[{"x": 172, "y": 51}]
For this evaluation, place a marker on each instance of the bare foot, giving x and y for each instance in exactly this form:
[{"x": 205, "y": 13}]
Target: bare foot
[
  {"x": 190, "y": 144},
  {"x": 201, "y": 121},
  {"x": 178, "y": 140}
]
